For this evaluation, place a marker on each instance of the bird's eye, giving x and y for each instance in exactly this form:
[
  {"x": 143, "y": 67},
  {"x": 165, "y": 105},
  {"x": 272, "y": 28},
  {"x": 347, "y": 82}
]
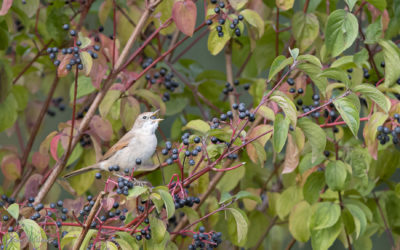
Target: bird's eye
[
  {"x": 153, "y": 117},
  {"x": 144, "y": 117}
]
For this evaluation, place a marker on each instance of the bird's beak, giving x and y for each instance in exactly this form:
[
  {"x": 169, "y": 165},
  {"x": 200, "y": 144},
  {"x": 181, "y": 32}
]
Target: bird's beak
[{"x": 155, "y": 113}]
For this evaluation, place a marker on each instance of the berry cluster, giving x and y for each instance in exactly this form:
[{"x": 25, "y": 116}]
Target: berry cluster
[
  {"x": 188, "y": 153},
  {"x": 57, "y": 102},
  {"x": 243, "y": 112},
  {"x": 146, "y": 233},
  {"x": 384, "y": 132},
  {"x": 292, "y": 90},
  {"x": 162, "y": 77},
  {"x": 202, "y": 239},
  {"x": 75, "y": 51},
  {"x": 222, "y": 19},
  {"x": 188, "y": 201},
  {"x": 85, "y": 141}
]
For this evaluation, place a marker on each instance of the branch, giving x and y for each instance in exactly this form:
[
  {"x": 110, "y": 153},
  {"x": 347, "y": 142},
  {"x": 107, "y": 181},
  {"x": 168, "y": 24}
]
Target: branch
[
  {"x": 387, "y": 229},
  {"x": 265, "y": 234},
  {"x": 89, "y": 220}
]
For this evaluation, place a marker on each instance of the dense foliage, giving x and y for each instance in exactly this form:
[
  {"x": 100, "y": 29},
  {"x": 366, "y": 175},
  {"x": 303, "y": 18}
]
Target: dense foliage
[{"x": 296, "y": 140}]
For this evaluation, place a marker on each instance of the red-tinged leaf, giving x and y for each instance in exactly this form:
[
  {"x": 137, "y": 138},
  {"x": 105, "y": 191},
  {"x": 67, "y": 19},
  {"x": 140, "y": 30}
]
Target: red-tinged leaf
[
  {"x": 118, "y": 86},
  {"x": 54, "y": 145},
  {"x": 45, "y": 145},
  {"x": 107, "y": 44},
  {"x": 98, "y": 72},
  {"x": 5, "y": 7},
  {"x": 11, "y": 167},
  {"x": 184, "y": 14},
  {"x": 40, "y": 161},
  {"x": 75, "y": 204},
  {"x": 64, "y": 60},
  {"x": 32, "y": 185},
  {"x": 96, "y": 145},
  {"x": 101, "y": 127},
  {"x": 292, "y": 156}
]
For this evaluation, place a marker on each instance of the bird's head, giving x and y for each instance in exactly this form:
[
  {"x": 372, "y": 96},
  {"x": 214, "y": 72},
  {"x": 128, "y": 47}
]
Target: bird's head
[{"x": 147, "y": 122}]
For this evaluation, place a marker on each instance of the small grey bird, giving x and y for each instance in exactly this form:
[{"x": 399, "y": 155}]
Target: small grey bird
[{"x": 138, "y": 144}]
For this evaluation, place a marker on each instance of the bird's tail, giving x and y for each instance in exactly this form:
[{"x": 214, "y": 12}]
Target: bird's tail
[{"x": 83, "y": 170}]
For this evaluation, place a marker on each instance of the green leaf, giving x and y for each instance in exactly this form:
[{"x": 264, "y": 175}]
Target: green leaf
[
  {"x": 87, "y": 62},
  {"x": 294, "y": 53},
  {"x": 341, "y": 31},
  {"x": 370, "y": 132},
  {"x": 351, "y": 4},
  {"x": 335, "y": 175},
  {"x": 360, "y": 221},
  {"x": 281, "y": 128},
  {"x": 392, "y": 59},
  {"x": 286, "y": 201},
  {"x": 337, "y": 74},
  {"x": 241, "y": 195},
  {"x": 197, "y": 125},
  {"x": 347, "y": 108},
  {"x": 69, "y": 237},
  {"x": 85, "y": 87},
  {"x": 5, "y": 80},
  {"x": 313, "y": 71},
  {"x": 287, "y": 105},
  {"x": 311, "y": 59},
  {"x": 305, "y": 28},
  {"x": 88, "y": 237},
  {"x": 137, "y": 191},
  {"x": 315, "y": 135},
  {"x": 11, "y": 241},
  {"x": 157, "y": 229},
  {"x": 323, "y": 239},
  {"x": 152, "y": 98},
  {"x": 254, "y": 19},
  {"x": 379, "y": 4},
  {"x": 168, "y": 201},
  {"x": 279, "y": 64},
  {"x": 238, "y": 4},
  {"x": 324, "y": 215},
  {"x": 284, "y": 4},
  {"x": 241, "y": 223},
  {"x": 108, "y": 245},
  {"x": 299, "y": 221},
  {"x": 13, "y": 210},
  {"x": 111, "y": 97},
  {"x": 126, "y": 241},
  {"x": 374, "y": 32},
  {"x": 215, "y": 43},
  {"x": 313, "y": 186},
  {"x": 4, "y": 36},
  {"x": 21, "y": 95},
  {"x": 35, "y": 234},
  {"x": 374, "y": 94},
  {"x": 176, "y": 105},
  {"x": 360, "y": 58},
  {"x": 8, "y": 112},
  {"x": 56, "y": 18}
]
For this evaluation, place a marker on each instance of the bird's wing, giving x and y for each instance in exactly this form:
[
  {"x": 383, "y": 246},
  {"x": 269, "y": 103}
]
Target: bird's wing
[{"x": 122, "y": 143}]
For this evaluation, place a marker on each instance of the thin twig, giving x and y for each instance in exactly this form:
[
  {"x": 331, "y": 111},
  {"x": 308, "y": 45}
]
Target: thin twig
[{"x": 387, "y": 229}]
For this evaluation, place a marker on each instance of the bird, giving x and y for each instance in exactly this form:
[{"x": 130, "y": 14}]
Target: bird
[{"x": 135, "y": 147}]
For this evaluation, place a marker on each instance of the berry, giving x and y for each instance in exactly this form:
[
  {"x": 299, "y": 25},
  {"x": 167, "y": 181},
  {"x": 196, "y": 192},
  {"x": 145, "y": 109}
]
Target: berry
[
  {"x": 196, "y": 140},
  {"x": 246, "y": 86},
  {"x": 221, "y": 5},
  {"x": 216, "y": 10},
  {"x": 72, "y": 32},
  {"x": 290, "y": 81},
  {"x": 223, "y": 117},
  {"x": 57, "y": 63},
  {"x": 300, "y": 91},
  {"x": 138, "y": 237},
  {"x": 31, "y": 199},
  {"x": 382, "y": 64},
  {"x": 5, "y": 217},
  {"x": 292, "y": 90},
  {"x": 60, "y": 203},
  {"x": 65, "y": 27},
  {"x": 240, "y": 17},
  {"x": 138, "y": 161},
  {"x": 237, "y": 32},
  {"x": 218, "y": 28},
  {"x": 192, "y": 162}
]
